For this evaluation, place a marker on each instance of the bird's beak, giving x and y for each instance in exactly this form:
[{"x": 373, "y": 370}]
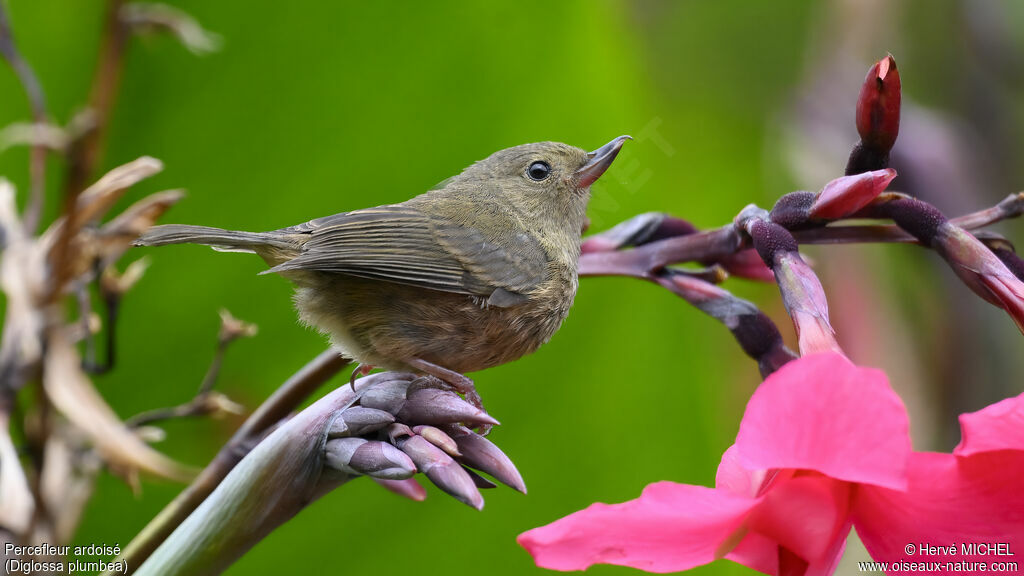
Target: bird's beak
[{"x": 599, "y": 160}]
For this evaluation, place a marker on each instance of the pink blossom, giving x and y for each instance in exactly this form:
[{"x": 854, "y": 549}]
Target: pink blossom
[
  {"x": 965, "y": 499},
  {"x": 823, "y": 447}
]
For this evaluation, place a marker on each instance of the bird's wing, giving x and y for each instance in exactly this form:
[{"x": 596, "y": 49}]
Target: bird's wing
[{"x": 402, "y": 244}]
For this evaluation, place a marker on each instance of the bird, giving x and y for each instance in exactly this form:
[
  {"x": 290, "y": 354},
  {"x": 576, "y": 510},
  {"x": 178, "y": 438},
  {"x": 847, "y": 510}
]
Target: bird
[{"x": 476, "y": 272}]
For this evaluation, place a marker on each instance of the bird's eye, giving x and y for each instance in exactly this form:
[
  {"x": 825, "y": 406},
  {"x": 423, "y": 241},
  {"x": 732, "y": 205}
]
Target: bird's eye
[{"x": 538, "y": 171}]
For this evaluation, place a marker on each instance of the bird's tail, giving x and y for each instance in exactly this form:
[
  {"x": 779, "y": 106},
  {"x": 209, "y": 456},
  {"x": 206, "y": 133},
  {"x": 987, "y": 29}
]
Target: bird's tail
[{"x": 218, "y": 238}]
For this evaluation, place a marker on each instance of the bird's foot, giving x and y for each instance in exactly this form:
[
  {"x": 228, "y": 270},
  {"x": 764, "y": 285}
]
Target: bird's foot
[
  {"x": 458, "y": 382},
  {"x": 359, "y": 370}
]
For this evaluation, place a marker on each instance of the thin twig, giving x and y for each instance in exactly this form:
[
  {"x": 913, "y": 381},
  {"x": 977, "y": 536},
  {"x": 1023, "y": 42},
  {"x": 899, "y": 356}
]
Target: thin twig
[
  {"x": 37, "y": 102},
  {"x": 113, "y": 304},
  {"x": 85, "y": 152},
  {"x": 204, "y": 402},
  {"x": 201, "y": 405},
  {"x": 111, "y": 295},
  {"x": 281, "y": 403},
  {"x": 84, "y": 320}
]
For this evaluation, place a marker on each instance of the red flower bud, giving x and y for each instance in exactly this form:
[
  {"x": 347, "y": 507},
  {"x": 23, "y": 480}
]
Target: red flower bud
[
  {"x": 878, "y": 107},
  {"x": 844, "y": 196}
]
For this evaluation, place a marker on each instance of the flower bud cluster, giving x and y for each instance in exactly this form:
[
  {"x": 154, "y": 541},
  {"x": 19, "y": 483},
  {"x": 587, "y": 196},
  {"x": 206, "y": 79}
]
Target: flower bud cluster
[{"x": 400, "y": 425}]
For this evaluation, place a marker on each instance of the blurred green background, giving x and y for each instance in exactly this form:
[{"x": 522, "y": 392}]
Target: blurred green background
[{"x": 312, "y": 108}]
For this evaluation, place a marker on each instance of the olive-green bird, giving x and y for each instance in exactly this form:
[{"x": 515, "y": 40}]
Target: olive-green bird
[{"x": 477, "y": 272}]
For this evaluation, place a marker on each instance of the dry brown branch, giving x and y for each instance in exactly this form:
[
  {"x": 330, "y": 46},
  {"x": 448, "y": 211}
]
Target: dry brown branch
[
  {"x": 84, "y": 153},
  {"x": 70, "y": 432},
  {"x": 67, "y": 258},
  {"x": 37, "y": 102}
]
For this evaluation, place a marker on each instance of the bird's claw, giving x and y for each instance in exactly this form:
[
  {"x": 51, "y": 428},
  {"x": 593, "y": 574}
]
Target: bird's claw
[
  {"x": 458, "y": 383},
  {"x": 359, "y": 370}
]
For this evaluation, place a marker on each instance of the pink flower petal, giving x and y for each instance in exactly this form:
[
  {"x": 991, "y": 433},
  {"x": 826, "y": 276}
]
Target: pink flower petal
[
  {"x": 670, "y": 527},
  {"x": 950, "y": 500},
  {"x": 761, "y": 553},
  {"x": 758, "y": 552},
  {"x": 734, "y": 478},
  {"x": 996, "y": 427},
  {"x": 803, "y": 514},
  {"x": 806, "y": 514},
  {"x": 826, "y": 566},
  {"x": 822, "y": 413}
]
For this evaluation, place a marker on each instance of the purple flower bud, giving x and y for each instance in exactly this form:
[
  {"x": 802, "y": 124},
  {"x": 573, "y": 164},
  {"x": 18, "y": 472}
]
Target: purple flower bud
[
  {"x": 480, "y": 482},
  {"x": 388, "y": 396},
  {"x": 398, "y": 430},
  {"x": 369, "y": 458},
  {"x": 408, "y": 488},
  {"x": 358, "y": 421},
  {"x": 442, "y": 470},
  {"x": 480, "y": 453},
  {"x": 438, "y": 438},
  {"x": 434, "y": 406}
]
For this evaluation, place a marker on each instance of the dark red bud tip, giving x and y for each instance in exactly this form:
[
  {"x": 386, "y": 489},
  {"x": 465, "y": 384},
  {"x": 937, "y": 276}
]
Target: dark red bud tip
[{"x": 878, "y": 107}]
